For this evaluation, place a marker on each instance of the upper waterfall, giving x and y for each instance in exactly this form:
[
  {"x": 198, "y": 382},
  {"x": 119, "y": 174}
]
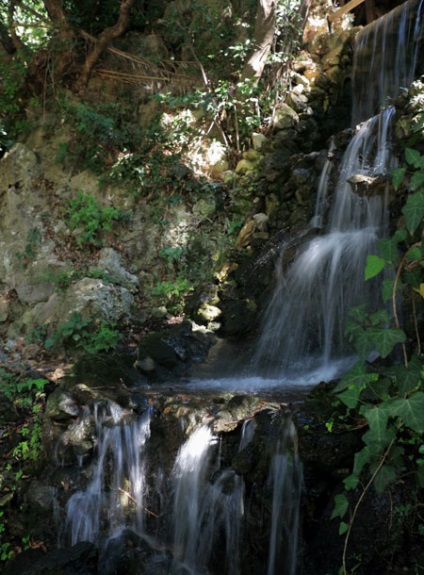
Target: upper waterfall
[
  {"x": 385, "y": 59},
  {"x": 303, "y": 324}
]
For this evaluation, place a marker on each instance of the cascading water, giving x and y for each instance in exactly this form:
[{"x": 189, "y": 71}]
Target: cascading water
[
  {"x": 118, "y": 478},
  {"x": 304, "y": 322},
  {"x": 203, "y": 509},
  {"x": 286, "y": 481},
  {"x": 208, "y": 507},
  {"x": 385, "y": 59}
]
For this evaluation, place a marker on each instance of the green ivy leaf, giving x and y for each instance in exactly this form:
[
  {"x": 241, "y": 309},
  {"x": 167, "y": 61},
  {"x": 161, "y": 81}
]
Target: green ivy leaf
[
  {"x": 358, "y": 313},
  {"x": 373, "y": 266},
  {"x": 379, "y": 317},
  {"x": 362, "y": 458},
  {"x": 377, "y": 442},
  {"x": 341, "y": 505},
  {"x": 385, "y": 339},
  {"x": 414, "y": 254},
  {"x": 407, "y": 379},
  {"x": 351, "y": 482},
  {"x": 398, "y": 176},
  {"x": 357, "y": 376},
  {"x": 385, "y": 476},
  {"x": 417, "y": 181},
  {"x": 343, "y": 527},
  {"x": 387, "y": 288},
  {"x": 410, "y": 410},
  {"x": 412, "y": 157},
  {"x": 377, "y": 418},
  {"x": 350, "y": 396},
  {"x": 400, "y": 236},
  {"x": 387, "y": 248},
  {"x": 413, "y": 210}
]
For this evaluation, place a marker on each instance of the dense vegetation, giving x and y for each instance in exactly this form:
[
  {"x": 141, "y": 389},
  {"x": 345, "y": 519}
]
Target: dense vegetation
[{"x": 221, "y": 68}]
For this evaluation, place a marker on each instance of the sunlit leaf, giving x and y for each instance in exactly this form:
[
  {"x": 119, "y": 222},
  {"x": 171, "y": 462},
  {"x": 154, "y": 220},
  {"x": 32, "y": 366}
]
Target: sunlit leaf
[
  {"x": 420, "y": 290},
  {"x": 374, "y": 266}
]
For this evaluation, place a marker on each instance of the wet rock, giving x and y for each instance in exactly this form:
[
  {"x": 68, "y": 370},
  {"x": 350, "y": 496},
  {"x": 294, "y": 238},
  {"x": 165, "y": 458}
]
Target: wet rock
[
  {"x": 81, "y": 559},
  {"x": 81, "y": 437},
  {"x": 173, "y": 351},
  {"x": 61, "y": 406},
  {"x": 368, "y": 185},
  {"x": 128, "y": 553},
  {"x": 111, "y": 369},
  {"x": 41, "y": 497},
  {"x": 284, "y": 117}
]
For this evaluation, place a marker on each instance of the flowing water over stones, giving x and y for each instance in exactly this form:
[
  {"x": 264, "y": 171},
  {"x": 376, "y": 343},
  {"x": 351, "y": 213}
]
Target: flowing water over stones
[
  {"x": 385, "y": 59},
  {"x": 198, "y": 515},
  {"x": 303, "y": 324}
]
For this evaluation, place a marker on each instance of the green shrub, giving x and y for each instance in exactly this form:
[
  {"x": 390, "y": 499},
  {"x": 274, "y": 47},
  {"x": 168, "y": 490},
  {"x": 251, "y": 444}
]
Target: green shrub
[{"x": 90, "y": 219}]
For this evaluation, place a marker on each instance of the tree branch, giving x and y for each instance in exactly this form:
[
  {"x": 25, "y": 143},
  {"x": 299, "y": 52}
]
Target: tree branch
[{"x": 104, "y": 39}]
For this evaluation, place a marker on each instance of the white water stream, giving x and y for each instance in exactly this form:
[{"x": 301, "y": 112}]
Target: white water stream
[
  {"x": 204, "y": 506},
  {"x": 303, "y": 324}
]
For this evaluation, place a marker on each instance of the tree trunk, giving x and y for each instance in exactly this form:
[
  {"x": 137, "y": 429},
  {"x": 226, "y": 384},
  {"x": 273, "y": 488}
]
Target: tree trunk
[
  {"x": 5, "y": 40},
  {"x": 263, "y": 39},
  {"x": 64, "y": 40},
  {"x": 16, "y": 41},
  {"x": 104, "y": 39}
]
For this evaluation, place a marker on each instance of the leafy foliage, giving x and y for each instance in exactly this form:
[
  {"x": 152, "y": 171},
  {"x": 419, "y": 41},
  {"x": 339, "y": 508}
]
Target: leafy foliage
[
  {"x": 389, "y": 399},
  {"x": 90, "y": 219},
  {"x": 81, "y": 333}
]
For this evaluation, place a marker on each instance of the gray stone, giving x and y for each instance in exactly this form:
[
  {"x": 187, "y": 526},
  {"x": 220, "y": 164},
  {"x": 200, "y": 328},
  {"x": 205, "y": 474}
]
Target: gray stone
[{"x": 61, "y": 406}]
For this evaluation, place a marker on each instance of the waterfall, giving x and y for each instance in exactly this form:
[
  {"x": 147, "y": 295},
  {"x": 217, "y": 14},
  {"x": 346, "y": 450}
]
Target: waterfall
[
  {"x": 286, "y": 482},
  {"x": 204, "y": 498},
  {"x": 303, "y": 324},
  {"x": 304, "y": 321},
  {"x": 203, "y": 514},
  {"x": 385, "y": 59},
  {"x": 118, "y": 479}
]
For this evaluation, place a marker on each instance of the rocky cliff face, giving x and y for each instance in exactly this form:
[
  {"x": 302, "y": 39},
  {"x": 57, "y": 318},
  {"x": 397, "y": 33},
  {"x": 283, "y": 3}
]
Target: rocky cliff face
[
  {"x": 48, "y": 271},
  {"x": 72, "y": 246}
]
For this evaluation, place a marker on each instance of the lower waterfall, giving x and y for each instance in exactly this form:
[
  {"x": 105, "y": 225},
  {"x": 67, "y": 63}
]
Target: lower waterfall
[{"x": 202, "y": 521}]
